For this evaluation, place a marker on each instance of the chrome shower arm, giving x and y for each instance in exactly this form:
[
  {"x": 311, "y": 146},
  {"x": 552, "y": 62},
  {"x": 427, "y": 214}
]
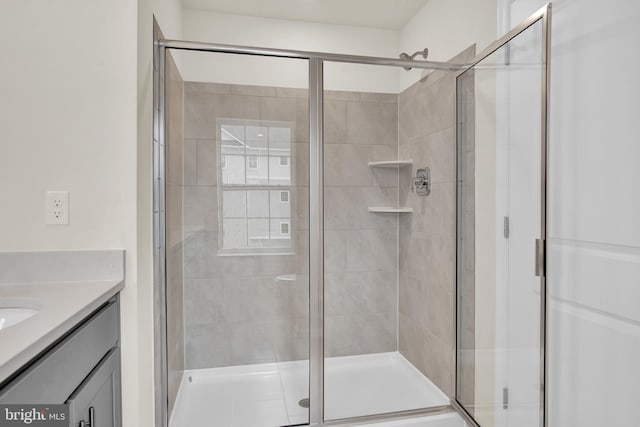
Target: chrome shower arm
[{"x": 405, "y": 56}]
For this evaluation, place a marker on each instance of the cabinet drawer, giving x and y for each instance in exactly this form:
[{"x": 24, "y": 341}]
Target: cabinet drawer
[{"x": 53, "y": 377}]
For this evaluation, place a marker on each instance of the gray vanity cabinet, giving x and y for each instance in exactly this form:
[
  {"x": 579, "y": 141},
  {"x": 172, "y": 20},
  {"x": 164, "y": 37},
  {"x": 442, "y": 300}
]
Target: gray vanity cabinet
[{"x": 82, "y": 370}]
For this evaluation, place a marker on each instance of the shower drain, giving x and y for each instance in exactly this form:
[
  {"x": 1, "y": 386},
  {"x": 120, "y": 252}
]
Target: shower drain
[{"x": 304, "y": 403}]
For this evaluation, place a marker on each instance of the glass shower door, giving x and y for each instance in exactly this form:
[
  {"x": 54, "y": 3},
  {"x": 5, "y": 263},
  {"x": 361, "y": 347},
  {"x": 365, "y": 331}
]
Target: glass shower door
[
  {"x": 501, "y": 107},
  {"x": 238, "y": 156}
]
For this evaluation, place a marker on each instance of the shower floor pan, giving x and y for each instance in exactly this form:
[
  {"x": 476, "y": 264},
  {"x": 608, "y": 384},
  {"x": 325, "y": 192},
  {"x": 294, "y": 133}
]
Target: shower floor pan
[{"x": 268, "y": 395}]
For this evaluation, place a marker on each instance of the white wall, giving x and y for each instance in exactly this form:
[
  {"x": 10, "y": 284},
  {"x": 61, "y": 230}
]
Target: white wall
[
  {"x": 594, "y": 207},
  {"x": 169, "y": 14},
  {"x": 447, "y": 27},
  {"x": 251, "y": 31},
  {"x": 68, "y": 122}
]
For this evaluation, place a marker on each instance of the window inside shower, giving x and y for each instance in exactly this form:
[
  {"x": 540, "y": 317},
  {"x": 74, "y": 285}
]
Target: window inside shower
[{"x": 255, "y": 185}]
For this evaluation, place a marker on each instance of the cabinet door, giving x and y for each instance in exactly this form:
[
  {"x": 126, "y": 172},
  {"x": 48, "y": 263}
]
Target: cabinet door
[{"x": 96, "y": 402}]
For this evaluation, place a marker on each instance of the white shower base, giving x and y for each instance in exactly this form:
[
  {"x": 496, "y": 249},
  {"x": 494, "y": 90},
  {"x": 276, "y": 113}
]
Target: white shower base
[{"x": 267, "y": 395}]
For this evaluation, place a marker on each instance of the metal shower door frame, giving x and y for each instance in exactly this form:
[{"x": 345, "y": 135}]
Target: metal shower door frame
[
  {"x": 544, "y": 16},
  {"x": 316, "y": 210}
]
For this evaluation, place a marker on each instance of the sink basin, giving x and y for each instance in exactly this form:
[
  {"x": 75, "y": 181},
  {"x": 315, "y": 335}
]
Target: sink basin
[{"x": 14, "y": 312}]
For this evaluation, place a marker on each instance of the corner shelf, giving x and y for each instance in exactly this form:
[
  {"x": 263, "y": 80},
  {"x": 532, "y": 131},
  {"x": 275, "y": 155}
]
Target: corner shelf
[
  {"x": 391, "y": 164},
  {"x": 389, "y": 210}
]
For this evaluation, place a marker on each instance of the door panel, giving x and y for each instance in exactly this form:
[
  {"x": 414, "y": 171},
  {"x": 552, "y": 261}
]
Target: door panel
[
  {"x": 97, "y": 401},
  {"x": 501, "y": 178}
]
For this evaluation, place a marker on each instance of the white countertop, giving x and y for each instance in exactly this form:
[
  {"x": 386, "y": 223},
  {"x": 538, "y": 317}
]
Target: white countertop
[{"x": 62, "y": 305}]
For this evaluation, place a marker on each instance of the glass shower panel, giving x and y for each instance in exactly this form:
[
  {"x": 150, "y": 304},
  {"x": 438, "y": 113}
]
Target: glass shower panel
[
  {"x": 245, "y": 280},
  {"x": 499, "y": 104},
  {"x": 379, "y": 354}
]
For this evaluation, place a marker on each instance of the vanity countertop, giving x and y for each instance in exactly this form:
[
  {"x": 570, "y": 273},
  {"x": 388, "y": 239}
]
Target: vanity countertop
[
  {"x": 61, "y": 305},
  {"x": 64, "y": 286}
]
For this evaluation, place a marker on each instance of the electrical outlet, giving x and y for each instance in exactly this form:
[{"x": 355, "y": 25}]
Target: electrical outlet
[{"x": 57, "y": 207}]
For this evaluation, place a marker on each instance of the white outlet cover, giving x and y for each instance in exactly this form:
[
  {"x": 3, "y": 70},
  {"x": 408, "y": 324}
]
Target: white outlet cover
[{"x": 57, "y": 208}]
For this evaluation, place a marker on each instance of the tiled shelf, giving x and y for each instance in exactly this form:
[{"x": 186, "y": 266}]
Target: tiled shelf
[
  {"x": 389, "y": 210},
  {"x": 391, "y": 164}
]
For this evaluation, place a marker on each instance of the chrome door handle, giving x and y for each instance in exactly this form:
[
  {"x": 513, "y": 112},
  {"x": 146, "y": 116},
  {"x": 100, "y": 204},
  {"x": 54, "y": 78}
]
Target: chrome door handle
[{"x": 89, "y": 423}]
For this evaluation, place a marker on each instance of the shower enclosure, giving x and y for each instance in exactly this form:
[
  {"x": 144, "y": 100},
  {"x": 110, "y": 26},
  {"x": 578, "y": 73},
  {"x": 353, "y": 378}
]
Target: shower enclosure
[{"x": 310, "y": 264}]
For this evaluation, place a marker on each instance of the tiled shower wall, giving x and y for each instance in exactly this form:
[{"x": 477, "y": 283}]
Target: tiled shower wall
[
  {"x": 360, "y": 247},
  {"x": 427, "y": 237},
  {"x": 236, "y": 311},
  {"x": 466, "y": 358},
  {"x": 174, "y": 236}
]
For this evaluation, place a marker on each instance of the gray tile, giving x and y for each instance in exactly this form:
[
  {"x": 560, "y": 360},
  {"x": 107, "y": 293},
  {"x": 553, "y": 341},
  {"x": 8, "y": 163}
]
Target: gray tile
[
  {"x": 289, "y": 338},
  {"x": 280, "y": 109},
  {"x": 335, "y": 251},
  {"x": 377, "y": 291},
  {"x": 372, "y": 123},
  {"x": 254, "y": 265},
  {"x": 430, "y": 110},
  {"x": 371, "y": 250},
  {"x": 200, "y": 208},
  {"x": 437, "y": 151},
  {"x": 174, "y": 122},
  {"x": 441, "y": 252},
  {"x": 340, "y": 95},
  {"x": 204, "y": 302},
  {"x": 413, "y": 301},
  {"x": 301, "y": 201},
  {"x": 203, "y": 109},
  {"x": 339, "y": 298},
  {"x": 351, "y": 335},
  {"x": 207, "y": 346},
  {"x": 248, "y": 345},
  {"x": 174, "y": 214},
  {"x": 440, "y": 311},
  {"x": 201, "y": 260},
  {"x": 255, "y": 298},
  {"x": 379, "y": 97},
  {"x": 410, "y": 339},
  {"x": 286, "y": 92},
  {"x": 252, "y": 90},
  {"x": 302, "y": 121},
  {"x": 190, "y": 162},
  {"x": 347, "y": 165},
  {"x": 175, "y": 318},
  {"x": 201, "y": 87},
  {"x": 353, "y": 203},
  {"x": 207, "y": 163},
  {"x": 335, "y": 122},
  {"x": 439, "y": 363},
  {"x": 382, "y": 153},
  {"x": 426, "y": 352},
  {"x": 302, "y": 255},
  {"x": 300, "y": 158}
]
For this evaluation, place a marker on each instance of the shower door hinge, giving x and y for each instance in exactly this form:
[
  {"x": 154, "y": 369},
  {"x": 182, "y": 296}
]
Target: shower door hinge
[
  {"x": 541, "y": 256},
  {"x": 506, "y": 227},
  {"x": 505, "y": 398}
]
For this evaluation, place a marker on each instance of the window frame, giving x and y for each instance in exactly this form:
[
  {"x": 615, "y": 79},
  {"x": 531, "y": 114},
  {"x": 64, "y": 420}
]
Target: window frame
[{"x": 279, "y": 188}]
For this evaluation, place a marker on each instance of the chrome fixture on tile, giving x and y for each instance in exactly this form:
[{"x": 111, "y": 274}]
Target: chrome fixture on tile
[
  {"x": 405, "y": 56},
  {"x": 421, "y": 183}
]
